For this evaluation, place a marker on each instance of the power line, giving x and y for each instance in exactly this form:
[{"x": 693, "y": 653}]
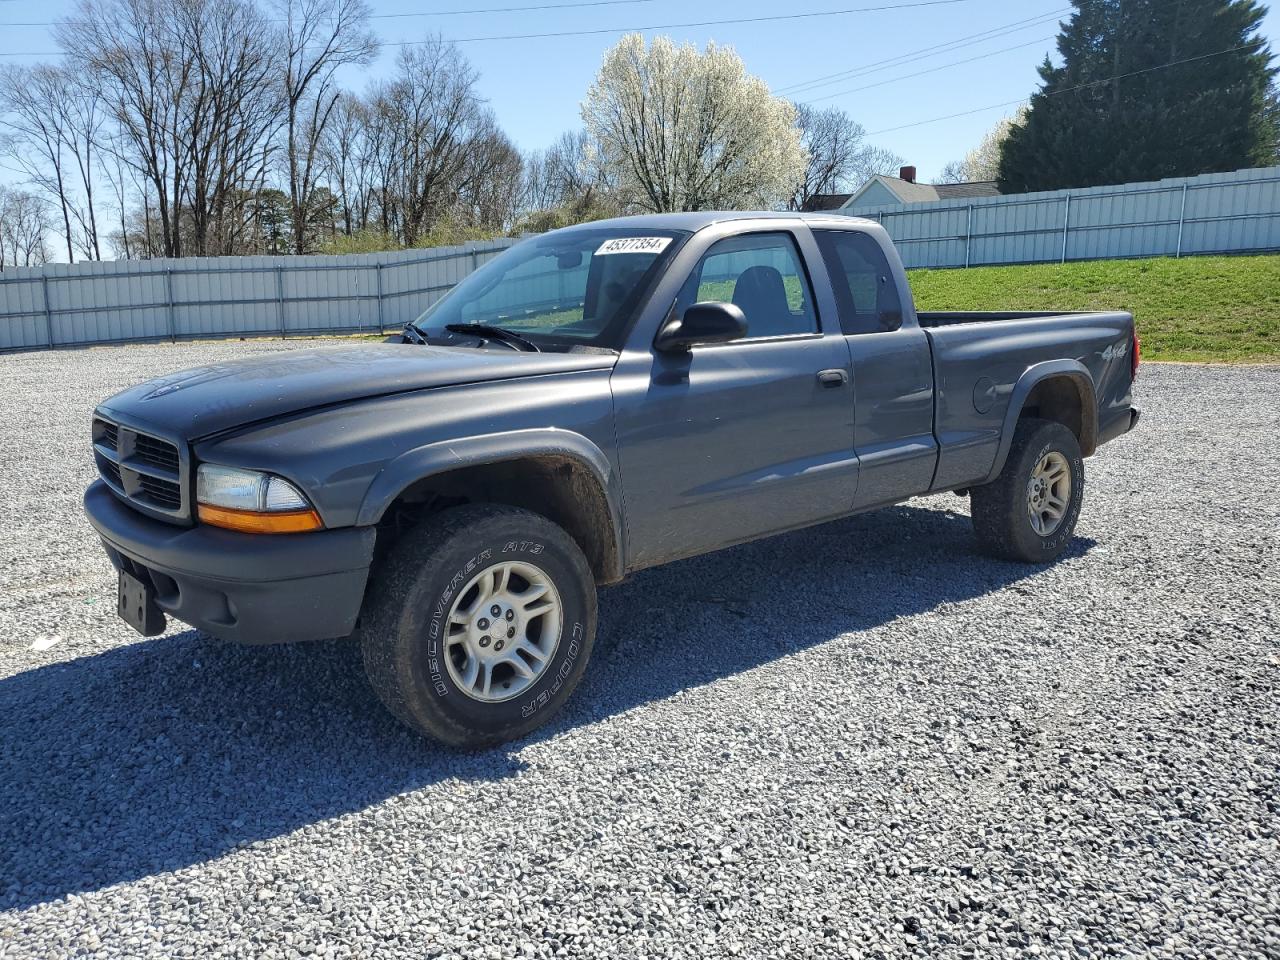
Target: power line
[
  {"x": 1055, "y": 93},
  {"x": 935, "y": 50},
  {"x": 921, "y": 73},
  {"x": 437, "y": 13},
  {"x": 657, "y": 26},
  {"x": 696, "y": 23},
  {"x": 541, "y": 6}
]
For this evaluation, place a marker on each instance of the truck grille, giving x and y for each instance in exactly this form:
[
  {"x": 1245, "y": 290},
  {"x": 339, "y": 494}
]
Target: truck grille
[{"x": 141, "y": 468}]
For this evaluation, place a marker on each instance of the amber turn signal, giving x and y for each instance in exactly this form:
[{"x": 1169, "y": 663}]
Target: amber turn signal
[{"x": 248, "y": 521}]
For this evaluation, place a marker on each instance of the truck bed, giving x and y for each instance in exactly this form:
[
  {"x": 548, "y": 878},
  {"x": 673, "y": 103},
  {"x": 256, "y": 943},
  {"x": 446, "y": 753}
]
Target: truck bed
[
  {"x": 951, "y": 318},
  {"x": 979, "y": 358}
]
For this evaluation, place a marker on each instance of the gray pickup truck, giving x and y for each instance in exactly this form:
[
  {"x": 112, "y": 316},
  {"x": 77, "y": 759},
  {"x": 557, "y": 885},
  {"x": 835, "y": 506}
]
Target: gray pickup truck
[{"x": 594, "y": 401}]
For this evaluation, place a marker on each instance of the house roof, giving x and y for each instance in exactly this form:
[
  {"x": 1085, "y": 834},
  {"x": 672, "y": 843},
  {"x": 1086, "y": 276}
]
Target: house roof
[
  {"x": 909, "y": 192},
  {"x": 825, "y": 201},
  {"x": 967, "y": 191}
]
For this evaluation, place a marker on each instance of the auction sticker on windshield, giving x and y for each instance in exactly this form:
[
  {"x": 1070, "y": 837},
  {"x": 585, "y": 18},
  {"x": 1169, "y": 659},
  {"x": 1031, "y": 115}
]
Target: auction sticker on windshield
[{"x": 634, "y": 245}]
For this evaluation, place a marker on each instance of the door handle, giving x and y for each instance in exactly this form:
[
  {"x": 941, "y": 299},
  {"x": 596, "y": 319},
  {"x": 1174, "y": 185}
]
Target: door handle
[{"x": 833, "y": 378}]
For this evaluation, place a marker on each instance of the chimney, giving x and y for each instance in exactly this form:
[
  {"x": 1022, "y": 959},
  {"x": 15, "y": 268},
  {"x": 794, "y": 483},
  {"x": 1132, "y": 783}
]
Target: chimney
[{"x": 908, "y": 174}]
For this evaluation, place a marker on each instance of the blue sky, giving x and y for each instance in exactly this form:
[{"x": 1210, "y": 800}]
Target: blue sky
[{"x": 535, "y": 85}]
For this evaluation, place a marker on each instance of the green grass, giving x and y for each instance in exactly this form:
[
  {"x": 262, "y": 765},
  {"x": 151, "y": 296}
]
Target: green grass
[{"x": 1198, "y": 309}]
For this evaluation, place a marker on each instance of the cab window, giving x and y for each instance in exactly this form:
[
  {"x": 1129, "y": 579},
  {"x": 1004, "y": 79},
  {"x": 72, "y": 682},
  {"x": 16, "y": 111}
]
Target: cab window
[
  {"x": 864, "y": 287},
  {"x": 761, "y": 274}
]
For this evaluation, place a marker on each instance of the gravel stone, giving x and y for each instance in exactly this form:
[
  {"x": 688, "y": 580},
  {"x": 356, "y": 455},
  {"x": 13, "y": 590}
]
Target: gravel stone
[{"x": 861, "y": 740}]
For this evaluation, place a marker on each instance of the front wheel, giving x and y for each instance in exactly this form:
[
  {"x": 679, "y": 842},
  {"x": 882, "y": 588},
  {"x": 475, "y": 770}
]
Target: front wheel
[
  {"x": 480, "y": 624},
  {"x": 1029, "y": 511}
]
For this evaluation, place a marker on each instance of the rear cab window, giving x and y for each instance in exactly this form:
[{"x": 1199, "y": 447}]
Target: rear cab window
[{"x": 862, "y": 281}]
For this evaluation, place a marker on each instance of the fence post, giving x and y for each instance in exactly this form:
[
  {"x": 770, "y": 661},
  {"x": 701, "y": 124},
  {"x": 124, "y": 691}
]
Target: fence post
[
  {"x": 968, "y": 237},
  {"x": 475, "y": 260},
  {"x": 382, "y": 327},
  {"x": 170, "y": 312},
  {"x": 280, "y": 298},
  {"x": 48, "y": 310},
  {"x": 1066, "y": 228},
  {"x": 1182, "y": 219}
]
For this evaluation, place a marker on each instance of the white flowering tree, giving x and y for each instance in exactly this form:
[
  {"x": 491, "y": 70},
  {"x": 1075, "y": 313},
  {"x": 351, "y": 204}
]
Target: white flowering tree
[
  {"x": 683, "y": 130},
  {"x": 983, "y": 161}
]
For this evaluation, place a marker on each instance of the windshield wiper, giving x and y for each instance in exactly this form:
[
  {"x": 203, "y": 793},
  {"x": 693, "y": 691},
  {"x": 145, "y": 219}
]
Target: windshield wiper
[
  {"x": 413, "y": 333},
  {"x": 497, "y": 333}
]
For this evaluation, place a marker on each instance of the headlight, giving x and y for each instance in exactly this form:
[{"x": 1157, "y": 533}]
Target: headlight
[{"x": 252, "y": 502}]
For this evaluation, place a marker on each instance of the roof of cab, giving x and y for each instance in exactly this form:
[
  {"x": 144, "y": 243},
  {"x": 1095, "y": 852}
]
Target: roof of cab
[{"x": 700, "y": 219}]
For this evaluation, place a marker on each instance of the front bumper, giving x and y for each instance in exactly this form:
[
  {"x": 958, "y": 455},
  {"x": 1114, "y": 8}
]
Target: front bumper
[{"x": 243, "y": 587}]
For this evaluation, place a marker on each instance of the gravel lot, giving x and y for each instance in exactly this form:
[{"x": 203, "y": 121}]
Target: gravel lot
[{"x": 863, "y": 740}]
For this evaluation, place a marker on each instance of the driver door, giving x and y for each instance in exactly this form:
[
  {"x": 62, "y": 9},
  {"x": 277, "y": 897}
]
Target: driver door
[{"x": 729, "y": 442}]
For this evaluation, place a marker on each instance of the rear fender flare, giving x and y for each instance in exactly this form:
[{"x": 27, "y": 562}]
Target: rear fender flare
[{"x": 1034, "y": 375}]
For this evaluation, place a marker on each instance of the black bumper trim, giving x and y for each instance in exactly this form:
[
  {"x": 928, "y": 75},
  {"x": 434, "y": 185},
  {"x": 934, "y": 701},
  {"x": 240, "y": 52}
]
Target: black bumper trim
[
  {"x": 243, "y": 587},
  {"x": 1120, "y": 425}
]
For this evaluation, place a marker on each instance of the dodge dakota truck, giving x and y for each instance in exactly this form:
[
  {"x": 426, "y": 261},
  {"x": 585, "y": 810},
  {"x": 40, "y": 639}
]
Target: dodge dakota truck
[{"x": 592, "y": 402}]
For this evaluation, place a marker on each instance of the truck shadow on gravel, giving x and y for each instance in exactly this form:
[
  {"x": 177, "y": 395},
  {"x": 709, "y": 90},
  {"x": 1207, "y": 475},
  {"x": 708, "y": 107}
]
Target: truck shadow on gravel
[{"x": 163, "y": 754}]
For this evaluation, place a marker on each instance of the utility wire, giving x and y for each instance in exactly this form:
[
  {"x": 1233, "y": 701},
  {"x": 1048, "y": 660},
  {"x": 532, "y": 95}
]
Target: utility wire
[
  {"x": 1056, "y": 93},
  {"x": 921, "y": 73},
  {"x": 658, "y": 26},
  {"x": 923, "y": 53},
  {"x": 541, "y": 6},
  {"x": 438, "y": 13},
  {"x": 696, "y": 23}
]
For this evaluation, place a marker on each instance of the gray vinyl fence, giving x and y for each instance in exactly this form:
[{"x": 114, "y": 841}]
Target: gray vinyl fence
[
  {"x": 1216, "y": 213},
  {"x": 196, "y": 298},
  {"x": 87, "y": 303}
]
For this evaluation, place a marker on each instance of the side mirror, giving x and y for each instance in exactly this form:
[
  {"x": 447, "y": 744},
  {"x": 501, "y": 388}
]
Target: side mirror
[{"x": 703, "y": 323}]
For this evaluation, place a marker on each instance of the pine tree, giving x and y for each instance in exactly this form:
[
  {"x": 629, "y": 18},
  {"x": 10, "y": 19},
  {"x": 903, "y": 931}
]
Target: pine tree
[{"x": 1115, "y": 112}]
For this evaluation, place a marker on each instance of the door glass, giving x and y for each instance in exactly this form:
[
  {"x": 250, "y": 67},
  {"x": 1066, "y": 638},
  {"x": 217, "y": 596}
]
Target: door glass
[
  {"x": 865, "y": 290},
  {"x": 761, "y": 274}
]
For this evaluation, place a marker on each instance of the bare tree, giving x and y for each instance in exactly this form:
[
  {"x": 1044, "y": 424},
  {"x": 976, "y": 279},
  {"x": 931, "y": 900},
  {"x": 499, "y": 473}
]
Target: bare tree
[
  {"x": 84, "y": 119},
  {"x": 321, "y": 36},
  {"x": 52, "y": 121},
  {"x": 235, "y": 114},
  {"x": 118, "y": 178},
  {"x": 954, "y": 172},
  {"x": 567, "y": 173},
  {"x": 491, "y": 181},
  {"x": 190, "y": 87},
  {"x": 427, "y": 118},
  {"x": 209, "y": 130},
  {"x": 345, "y": 155},
  {"x": 24, "y": 222},
  {"x": 840, "y": 159}
]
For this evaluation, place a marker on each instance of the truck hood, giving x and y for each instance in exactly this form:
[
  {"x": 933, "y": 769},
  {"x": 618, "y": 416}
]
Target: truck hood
[{"x": 203, "y": 401}]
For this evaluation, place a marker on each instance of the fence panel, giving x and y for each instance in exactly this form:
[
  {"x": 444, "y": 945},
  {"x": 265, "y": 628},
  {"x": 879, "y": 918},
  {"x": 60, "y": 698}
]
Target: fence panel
[
  {"x": 1216, "y": 213},
  {"x": 192, "y": 298},
  {"x": 85, "y": 303}
]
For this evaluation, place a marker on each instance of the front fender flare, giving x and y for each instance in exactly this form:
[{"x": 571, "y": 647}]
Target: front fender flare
[
  {"x": 437, "y": 458},
  {"x": 1031, "y": 377}
]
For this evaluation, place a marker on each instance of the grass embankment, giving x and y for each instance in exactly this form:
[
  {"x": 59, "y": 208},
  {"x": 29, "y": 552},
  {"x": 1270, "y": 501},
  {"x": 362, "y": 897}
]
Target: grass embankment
[{"x": 1200, "y": 309}]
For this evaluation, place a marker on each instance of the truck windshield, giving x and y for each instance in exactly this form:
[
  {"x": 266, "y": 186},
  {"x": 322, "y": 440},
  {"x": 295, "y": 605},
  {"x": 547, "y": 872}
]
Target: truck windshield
[{"x": 581, "y": 285}]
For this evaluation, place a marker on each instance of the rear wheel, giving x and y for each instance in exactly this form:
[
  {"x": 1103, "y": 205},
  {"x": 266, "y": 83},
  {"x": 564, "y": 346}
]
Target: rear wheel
[
  {"x": 480, "y": 624},
  {"x": 1029, "y": 511}
]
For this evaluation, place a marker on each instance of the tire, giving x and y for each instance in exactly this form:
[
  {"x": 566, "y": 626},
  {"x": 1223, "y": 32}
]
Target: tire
[
  {"x": 1004, "y": 511},
  {"x": 418, "y": 660}
]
